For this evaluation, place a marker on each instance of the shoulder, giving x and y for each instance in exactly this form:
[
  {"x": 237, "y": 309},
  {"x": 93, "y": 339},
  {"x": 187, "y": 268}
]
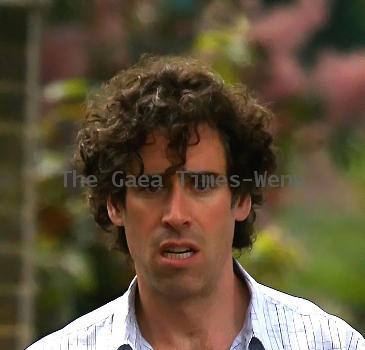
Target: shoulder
[
  {"x": 308, "y": 321},
  {"x": 85, "y": 329}
]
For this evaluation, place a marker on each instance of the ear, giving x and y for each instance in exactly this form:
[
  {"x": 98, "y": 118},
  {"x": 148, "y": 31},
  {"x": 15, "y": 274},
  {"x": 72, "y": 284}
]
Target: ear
[
  {"x": 242, "y": 208},
  {"x": 115, "y": 212}
]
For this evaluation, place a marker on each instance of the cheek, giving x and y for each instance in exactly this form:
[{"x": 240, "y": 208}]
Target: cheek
[
  {"x": 219, "y": 220},
  {"x": 135, "y": 210},
  {"x": 220, "y": 208},
  {"x": 139, "y": 221}
]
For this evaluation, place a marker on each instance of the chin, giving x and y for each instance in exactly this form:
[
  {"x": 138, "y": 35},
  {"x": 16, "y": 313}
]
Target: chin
[
  {"x": 179, "y": 292},
  {"x": 183, "y": 288}
]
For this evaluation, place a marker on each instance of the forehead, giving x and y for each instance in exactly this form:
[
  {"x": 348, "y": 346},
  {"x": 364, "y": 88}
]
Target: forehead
[{"x": 207, "y": 155}]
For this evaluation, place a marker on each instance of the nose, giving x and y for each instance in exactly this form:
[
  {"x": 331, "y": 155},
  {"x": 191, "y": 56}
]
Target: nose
[{"x": 177, "y": 214}]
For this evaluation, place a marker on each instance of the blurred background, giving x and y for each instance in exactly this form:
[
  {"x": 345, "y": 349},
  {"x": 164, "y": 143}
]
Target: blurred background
[{"x": 305, "y": 59}]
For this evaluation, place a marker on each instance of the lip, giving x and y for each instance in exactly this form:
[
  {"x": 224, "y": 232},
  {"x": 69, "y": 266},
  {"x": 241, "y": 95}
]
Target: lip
[
  {"x": 178, "y": 262},
  {"x": 178, "y": 244}
]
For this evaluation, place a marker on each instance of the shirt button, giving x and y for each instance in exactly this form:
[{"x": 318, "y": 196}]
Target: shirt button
[{"x": 255, "y": 344}]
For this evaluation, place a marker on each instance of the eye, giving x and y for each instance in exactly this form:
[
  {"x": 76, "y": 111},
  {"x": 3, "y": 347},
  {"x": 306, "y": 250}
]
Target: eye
[
  {"x": 150, "y": 184},
  {"x": 202, "y": 182},
  {"x": 151, "y": 188}
]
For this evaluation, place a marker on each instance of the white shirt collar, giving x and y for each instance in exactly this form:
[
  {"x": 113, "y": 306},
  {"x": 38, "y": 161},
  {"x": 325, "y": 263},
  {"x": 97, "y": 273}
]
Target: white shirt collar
[
  {"x": 257, "y": 314},
  {"x": 125, "y": 329}
]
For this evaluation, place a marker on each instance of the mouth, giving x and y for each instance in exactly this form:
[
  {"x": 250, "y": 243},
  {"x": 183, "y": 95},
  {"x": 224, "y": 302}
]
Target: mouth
[
  {"x": 178, "y": 251},
  {"x": 178, "y": 254}
]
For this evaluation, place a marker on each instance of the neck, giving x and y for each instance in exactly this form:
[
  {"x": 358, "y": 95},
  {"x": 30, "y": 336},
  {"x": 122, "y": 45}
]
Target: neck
[{"x": 198, "y": 321}]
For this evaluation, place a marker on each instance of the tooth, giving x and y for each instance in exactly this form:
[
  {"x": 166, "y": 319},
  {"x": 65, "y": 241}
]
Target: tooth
[
  {"x": 178, "y": 256},
  {"x": 178, "y": 250}
]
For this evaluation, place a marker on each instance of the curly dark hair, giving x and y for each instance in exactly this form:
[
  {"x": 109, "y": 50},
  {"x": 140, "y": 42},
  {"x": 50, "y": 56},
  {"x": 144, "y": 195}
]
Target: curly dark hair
[{"x": 174, "y": 94}]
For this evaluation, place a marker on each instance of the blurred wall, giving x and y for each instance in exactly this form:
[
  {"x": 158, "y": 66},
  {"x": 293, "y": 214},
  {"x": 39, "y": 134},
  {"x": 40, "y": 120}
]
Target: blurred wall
[{"x": 12, "y": 104}]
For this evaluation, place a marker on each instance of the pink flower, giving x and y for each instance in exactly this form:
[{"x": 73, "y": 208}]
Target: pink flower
[{"x": 340, "y": 79}]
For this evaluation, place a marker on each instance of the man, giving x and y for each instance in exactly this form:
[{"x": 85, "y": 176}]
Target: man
[{"x": 174, "y": 151}]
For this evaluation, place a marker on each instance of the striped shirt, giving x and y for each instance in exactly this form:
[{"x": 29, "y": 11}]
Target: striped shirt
[{"x": 275, "y": 321}]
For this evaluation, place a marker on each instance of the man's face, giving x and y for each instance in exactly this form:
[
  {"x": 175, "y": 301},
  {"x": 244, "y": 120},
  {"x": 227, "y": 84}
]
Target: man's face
[{"x": 162, "y": 222}]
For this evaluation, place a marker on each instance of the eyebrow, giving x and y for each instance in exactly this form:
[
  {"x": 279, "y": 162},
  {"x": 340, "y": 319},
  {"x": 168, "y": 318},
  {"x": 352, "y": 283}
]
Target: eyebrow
[
  {"x": 186, "y": 173},
  {"x": 198, "y": 173}
]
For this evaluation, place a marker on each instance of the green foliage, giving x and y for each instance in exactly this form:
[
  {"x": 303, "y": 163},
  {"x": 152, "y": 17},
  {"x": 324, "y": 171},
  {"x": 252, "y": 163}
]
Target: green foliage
[
  {"x": 66, "y": 90},
  {"x": 227, "y": 49},
  {"x": 62, "y": 11},
  {"x": 273, "y": 258},
  {"x": 334, "y": 257},
  {"x": 348, "y": 151}
]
